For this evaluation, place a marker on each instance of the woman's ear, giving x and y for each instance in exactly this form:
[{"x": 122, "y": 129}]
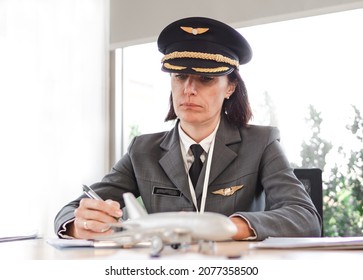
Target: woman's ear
[{"x": 231, "y": 88}]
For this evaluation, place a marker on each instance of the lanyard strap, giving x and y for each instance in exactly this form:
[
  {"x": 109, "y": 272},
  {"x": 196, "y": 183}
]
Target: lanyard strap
[{"x": 206, "y": 181}]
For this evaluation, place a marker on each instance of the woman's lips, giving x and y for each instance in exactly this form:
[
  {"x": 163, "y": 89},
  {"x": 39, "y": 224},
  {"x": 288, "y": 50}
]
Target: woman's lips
[{"x": 189, "y": 105}]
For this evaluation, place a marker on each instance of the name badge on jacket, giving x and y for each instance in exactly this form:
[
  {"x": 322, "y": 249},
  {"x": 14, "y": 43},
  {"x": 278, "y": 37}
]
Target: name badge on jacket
[{"x": 166, "y": 191}]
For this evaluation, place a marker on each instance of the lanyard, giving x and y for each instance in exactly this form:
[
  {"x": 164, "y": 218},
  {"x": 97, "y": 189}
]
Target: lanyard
[{"x": 206, "y": 181}]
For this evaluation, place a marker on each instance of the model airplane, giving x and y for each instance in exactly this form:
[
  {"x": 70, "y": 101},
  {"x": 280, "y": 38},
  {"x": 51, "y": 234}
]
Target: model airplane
[{"x": 169, "y": 228}]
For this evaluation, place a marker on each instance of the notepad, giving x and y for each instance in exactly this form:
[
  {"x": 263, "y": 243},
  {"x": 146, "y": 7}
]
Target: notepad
[
  {"x": 311, "y": 242},
  {"x": 77, "y": 243}
]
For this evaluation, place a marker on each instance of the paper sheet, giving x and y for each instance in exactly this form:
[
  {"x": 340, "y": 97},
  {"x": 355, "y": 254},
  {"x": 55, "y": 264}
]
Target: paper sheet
[
  {"x": 73, "y": 243},
  {"x": 311, "y": 242},
  {"x": 14, "y": 236}
]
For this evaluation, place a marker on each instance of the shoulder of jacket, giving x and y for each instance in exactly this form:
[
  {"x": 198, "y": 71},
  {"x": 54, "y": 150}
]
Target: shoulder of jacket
[
  {"x": 147, "y": 140},
  {"x": 261, "y": 131}
]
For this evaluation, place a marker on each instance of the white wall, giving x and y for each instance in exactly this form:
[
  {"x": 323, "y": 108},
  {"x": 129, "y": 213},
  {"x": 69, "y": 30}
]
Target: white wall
[
  {"x": 53, "y": 106},
  {"x": 140, "y": 21}
]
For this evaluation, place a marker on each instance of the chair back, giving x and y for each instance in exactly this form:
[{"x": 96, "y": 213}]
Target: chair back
[{"x": 311, "y": 178}]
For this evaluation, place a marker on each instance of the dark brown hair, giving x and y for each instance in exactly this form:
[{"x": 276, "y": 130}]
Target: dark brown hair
[{"x": 237, "y": 108}]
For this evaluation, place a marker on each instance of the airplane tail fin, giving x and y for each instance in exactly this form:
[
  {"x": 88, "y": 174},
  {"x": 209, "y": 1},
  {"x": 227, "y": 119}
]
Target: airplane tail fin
[{"x": 134, "y": 209}]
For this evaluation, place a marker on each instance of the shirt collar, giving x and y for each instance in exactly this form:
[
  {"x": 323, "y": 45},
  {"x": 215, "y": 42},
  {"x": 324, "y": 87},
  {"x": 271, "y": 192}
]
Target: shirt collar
[{"x": 186, "y": 141}]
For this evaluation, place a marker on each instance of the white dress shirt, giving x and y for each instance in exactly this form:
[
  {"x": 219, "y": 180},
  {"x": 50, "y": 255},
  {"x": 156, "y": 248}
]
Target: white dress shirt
[{"x": 186, "y": 142}]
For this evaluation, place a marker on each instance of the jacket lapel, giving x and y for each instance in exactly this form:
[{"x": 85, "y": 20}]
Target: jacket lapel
[
  {"x": 172, "y": 162},
  {"x": 223, "y": 155}
]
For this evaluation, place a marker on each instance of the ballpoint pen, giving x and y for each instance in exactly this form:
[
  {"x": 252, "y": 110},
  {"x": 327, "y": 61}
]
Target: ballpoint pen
[{"x": 91, "y": 193}]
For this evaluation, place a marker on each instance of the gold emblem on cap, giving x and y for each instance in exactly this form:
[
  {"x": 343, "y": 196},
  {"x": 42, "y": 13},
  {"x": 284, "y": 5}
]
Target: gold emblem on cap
[
  {"x": 194, "y": 31},
  {"x": 228, "y": 191}
]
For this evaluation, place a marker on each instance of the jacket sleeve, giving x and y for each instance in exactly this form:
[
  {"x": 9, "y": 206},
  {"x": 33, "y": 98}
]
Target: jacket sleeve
[{"x": 289, "y": 210}]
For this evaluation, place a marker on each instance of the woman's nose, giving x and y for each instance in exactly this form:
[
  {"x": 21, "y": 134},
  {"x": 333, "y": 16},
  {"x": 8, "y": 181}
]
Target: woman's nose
[{"x": 190, "y": 86}]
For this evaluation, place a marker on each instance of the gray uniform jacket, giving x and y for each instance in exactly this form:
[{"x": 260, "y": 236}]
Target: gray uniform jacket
[{"x": 272, "y": 199}]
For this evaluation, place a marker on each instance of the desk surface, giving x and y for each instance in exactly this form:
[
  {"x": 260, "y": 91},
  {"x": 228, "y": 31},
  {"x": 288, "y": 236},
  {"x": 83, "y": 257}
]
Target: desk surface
[{"x": 39, "y": 249}]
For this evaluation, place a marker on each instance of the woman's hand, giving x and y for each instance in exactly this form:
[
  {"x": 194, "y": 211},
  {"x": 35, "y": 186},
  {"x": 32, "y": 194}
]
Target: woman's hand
[
  {"x": 243, "y": 229},
  {"x": 93, "y": 218}
]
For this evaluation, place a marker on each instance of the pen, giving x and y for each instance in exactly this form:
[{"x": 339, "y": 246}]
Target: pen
[{"x": 91, "y": 193}]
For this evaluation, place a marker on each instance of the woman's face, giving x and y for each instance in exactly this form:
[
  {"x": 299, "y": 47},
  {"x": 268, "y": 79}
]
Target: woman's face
[{"x": 198, "y": 99}]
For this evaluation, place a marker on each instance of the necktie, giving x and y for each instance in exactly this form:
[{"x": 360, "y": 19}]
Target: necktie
[{"x": 197, "y": 164}]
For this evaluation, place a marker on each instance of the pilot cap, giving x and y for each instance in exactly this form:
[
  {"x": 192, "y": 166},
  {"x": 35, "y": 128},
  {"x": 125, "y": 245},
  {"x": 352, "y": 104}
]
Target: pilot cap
[{"x": 203, "y": 46}]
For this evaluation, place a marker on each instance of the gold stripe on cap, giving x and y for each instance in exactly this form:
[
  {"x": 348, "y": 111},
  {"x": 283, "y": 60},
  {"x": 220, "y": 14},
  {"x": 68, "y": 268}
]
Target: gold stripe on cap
[
  {"x": 194, "y": 31},
  {"x": 173, "y": 67},
  {"x": 211, "y": 70},
  {"x": 200, "y": 55},
  {"x": 202, "y": 70}
]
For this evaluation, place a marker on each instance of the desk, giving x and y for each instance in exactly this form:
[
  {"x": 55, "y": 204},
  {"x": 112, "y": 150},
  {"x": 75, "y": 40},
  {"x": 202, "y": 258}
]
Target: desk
[
  {"x": 36, "y": 259},
  {"x": 39, "y": 249}
]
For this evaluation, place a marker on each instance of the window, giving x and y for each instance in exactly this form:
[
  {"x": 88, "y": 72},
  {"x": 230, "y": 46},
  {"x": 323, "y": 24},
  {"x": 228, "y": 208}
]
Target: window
[
  {"x": 299, "y": 67},
  {"x": 146, "y": 91}
]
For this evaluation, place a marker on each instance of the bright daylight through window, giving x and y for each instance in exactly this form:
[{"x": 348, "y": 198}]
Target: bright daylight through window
[{"x": 305, "y": 78}]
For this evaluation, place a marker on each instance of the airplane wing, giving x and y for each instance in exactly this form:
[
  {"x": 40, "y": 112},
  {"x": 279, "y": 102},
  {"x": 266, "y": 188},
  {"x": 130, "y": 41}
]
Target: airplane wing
[{"x": 133, "y": 236}]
